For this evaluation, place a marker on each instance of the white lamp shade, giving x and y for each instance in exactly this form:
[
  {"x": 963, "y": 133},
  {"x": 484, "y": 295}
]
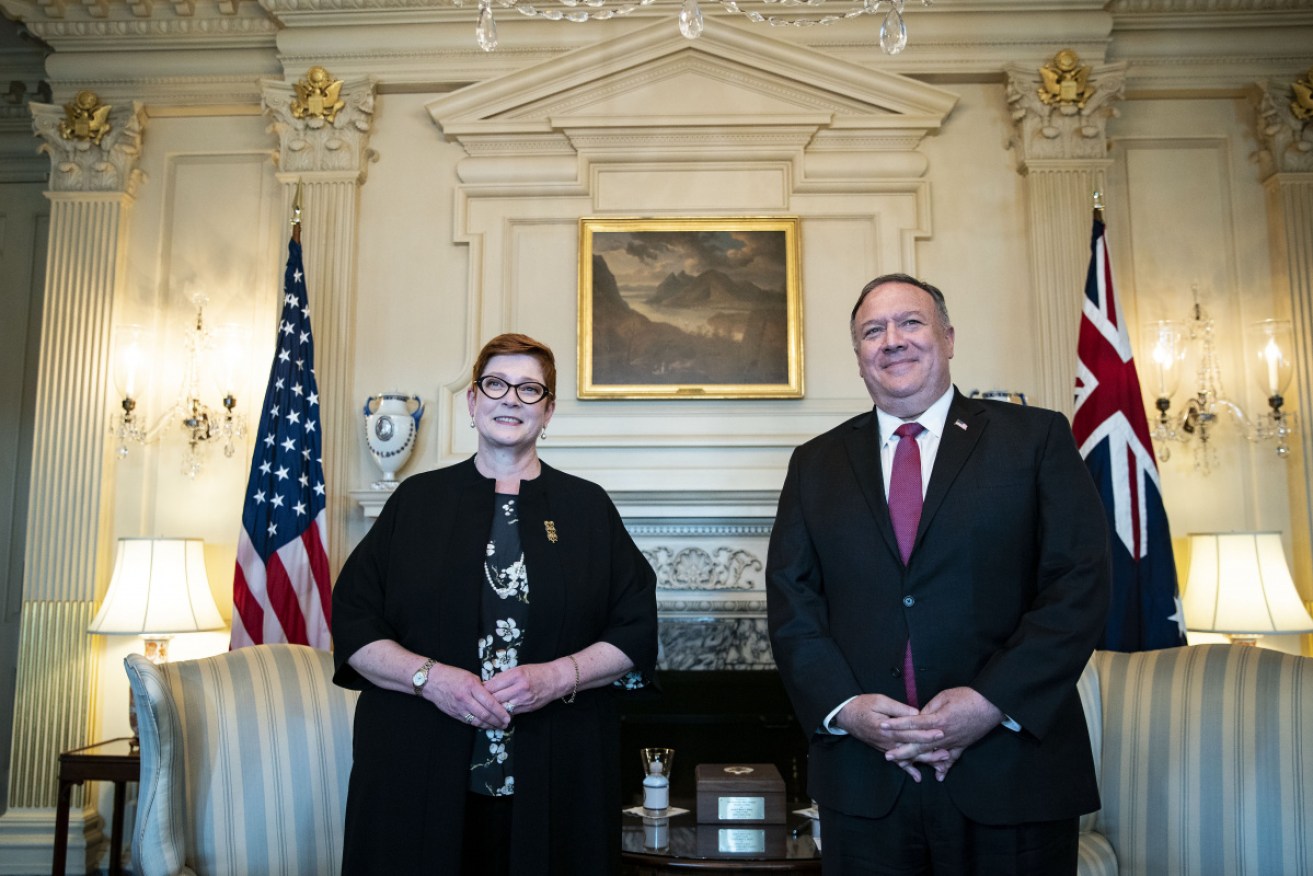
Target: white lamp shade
[
  {"x": 159, "y": 587},
  {"x": 1240, "y": 584}
]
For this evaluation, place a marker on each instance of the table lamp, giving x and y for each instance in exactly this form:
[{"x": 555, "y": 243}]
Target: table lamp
[
  {"x": 158, "y": 589},
  {"x": 1239, "y": 585}
]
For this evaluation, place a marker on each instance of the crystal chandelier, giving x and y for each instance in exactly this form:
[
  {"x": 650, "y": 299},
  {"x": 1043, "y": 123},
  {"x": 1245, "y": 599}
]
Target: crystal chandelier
[
  {"x": 211, "y": 355},
  {"x": 893, "y": 31},
  {"x": 1204, "y": 410}
]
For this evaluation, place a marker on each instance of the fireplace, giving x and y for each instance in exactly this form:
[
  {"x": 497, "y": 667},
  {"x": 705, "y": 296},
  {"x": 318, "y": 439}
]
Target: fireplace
[
  {"x": 721, "y": 699},
  {"x": 713, "y": 716}
]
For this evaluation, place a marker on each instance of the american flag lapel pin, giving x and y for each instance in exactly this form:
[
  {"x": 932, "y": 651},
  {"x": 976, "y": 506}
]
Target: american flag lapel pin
[
  {"x": 961, "y": 425},
  {"x": 550, "y": 526}
]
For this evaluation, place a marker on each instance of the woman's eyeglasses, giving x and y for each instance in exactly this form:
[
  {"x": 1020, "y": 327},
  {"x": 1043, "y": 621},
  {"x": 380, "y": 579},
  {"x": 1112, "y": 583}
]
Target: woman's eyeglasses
[{"x": 530, "y": 392}]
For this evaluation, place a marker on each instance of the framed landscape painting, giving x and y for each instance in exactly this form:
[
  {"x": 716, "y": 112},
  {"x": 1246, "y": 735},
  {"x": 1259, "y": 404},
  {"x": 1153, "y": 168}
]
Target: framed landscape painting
[{"x": 689, "y": 308}]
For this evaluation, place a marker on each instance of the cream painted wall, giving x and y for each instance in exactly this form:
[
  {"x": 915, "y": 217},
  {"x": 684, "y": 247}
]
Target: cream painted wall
[
  {"x": 204, "y": 223},
  {"x": 1192, "y": 210},
  {"x": 413, "y": 303},
  {"x": 977, "y": 254}
]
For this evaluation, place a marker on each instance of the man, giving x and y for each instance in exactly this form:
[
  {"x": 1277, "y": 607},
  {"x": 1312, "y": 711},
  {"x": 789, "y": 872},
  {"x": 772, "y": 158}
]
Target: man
[{"x": 937, "y": 580}]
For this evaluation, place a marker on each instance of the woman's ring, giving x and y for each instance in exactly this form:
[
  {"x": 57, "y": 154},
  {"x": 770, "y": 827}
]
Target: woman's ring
[
  {"x": 510, "y": 707},
  {"x": 469, "y": 718}
]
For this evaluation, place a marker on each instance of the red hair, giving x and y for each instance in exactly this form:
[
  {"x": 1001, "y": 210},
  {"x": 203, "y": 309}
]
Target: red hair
[{"x": 512, "y": 344}]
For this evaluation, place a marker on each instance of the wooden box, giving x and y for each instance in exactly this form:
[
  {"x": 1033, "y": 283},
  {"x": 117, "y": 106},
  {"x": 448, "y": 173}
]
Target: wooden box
[{"x": 734, "y": 794}]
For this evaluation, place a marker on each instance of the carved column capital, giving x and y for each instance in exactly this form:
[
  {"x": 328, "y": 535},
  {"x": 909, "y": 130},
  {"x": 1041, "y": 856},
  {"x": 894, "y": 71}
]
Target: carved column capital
[
  {"x": 92, "y": 147},
  {"x": 1285, "y": 125},
  {"x": 1061, "y": 110},
  {"x": 322, "y": 124}
]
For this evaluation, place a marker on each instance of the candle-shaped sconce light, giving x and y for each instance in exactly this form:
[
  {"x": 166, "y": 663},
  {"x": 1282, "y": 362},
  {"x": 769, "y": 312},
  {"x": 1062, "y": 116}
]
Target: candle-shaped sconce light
[
  {"x": 129, "y": 370},
  {"x": 1273, "y": 345},
  {"x": 229, "y": 342},
  {"x": 1165, "y": 342},
  {"x": 1166, "y": 353}
]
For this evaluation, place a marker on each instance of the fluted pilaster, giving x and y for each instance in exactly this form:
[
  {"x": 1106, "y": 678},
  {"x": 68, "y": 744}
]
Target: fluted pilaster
[
  {"x": 67, "y": 549},
  {"x": 1061, "y": 144},
  {"x": 1285, "y": 132},
  {"x": 1290, "y": 216},
  {"x": 324, "y": 147},
  {"x": 54, "y": 660},
  {"x": 1060, "y": 209},
  {"x": 67, "y": 545}
]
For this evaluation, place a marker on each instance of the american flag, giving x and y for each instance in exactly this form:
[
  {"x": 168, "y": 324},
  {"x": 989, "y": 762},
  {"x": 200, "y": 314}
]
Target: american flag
[
  {"x": 281, "y": 588},
  {"x": 1113, "y": 435}
]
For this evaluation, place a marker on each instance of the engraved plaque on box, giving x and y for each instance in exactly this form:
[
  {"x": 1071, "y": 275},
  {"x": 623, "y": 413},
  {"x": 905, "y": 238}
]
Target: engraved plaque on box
[
  {"x": 741, "y": 841},
  {"x": 741, "y": 808}
]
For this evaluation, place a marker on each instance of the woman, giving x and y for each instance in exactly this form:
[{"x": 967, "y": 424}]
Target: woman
[{"x": 486, "y": 617}]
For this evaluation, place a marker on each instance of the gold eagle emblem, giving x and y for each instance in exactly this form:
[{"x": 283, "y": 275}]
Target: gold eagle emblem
[
  {"x": 318, "y": 96},
  {"x": 85, "y": 118}
]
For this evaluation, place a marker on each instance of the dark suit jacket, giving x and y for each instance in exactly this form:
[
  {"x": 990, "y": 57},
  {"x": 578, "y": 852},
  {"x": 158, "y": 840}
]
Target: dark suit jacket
[
  {"x": 1006, "y": 592},
  {"x": 416, "y": 579}
]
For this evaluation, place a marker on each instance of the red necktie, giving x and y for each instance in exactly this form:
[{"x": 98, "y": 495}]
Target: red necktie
[{"x": 905, "y": 502}]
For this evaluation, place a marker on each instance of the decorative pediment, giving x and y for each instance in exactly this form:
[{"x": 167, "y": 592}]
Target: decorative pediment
[{"x": 653, "y": 84}]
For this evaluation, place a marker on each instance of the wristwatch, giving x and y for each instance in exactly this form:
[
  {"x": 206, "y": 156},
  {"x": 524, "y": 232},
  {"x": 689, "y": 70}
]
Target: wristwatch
[{"x": 421, "y": 677}]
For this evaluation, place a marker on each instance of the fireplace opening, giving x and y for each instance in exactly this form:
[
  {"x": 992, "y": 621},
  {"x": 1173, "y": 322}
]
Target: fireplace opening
[{"x": 713, "y": 716}]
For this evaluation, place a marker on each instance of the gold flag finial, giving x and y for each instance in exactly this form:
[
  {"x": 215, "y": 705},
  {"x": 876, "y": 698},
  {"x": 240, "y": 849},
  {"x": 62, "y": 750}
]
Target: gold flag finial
[{"x": 296, "y": 213}]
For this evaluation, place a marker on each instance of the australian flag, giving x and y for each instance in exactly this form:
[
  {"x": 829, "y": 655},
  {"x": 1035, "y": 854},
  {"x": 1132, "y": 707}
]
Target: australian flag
[
  {"x": 281, "y": 588},
  {"x": 1113, "y": 435}
]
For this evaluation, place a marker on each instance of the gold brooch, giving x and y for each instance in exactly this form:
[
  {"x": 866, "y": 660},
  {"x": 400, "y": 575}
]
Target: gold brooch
[{"x": 550, "y": 526}]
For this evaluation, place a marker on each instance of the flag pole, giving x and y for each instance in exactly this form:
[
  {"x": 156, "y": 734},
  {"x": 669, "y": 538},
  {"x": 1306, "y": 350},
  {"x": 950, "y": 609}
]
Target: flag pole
[
  {"x": 296, "y": 213},
  {"x": 1098, "y": 205}
]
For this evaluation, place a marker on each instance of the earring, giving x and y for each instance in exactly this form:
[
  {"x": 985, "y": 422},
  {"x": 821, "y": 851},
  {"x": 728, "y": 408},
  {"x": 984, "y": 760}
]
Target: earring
[
  {"x": 471, "y": 422},
  {"x": 543, "y": 433}
]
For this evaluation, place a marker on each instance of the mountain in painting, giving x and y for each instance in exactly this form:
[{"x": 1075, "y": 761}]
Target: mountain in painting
[
  {"x": 711, "y": 288},
  {"x": 744, "y": 340}
]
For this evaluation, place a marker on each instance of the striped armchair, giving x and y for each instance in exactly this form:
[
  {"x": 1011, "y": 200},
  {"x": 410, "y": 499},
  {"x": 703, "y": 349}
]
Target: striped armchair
[
  {"x": 1205, "y": 761},
  {"x": 244, "y": 763}
]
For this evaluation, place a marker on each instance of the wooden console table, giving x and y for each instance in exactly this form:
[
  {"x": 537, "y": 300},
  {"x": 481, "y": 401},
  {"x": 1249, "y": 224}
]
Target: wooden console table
[{"x": 117, "y": 761}]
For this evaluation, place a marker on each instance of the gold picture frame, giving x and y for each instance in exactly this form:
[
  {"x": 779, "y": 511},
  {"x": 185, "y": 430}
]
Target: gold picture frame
[{"x": 689, "y": 308}]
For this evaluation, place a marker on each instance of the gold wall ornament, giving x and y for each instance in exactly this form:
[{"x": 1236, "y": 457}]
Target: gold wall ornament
[
  {"x": 318, "y": 96},
  {"x": 85, "y": 118},
  {"x": 1065, "y": 81},
  {"x": 1302, "y": 106}
]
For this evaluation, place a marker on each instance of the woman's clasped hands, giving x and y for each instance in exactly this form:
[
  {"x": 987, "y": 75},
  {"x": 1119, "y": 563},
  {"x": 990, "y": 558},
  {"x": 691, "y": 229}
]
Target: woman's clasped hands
[{"x": 491, "y": 705}]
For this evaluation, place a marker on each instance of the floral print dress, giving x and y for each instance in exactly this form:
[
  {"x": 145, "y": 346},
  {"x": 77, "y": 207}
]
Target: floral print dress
[{"x": 503, "y": 609}]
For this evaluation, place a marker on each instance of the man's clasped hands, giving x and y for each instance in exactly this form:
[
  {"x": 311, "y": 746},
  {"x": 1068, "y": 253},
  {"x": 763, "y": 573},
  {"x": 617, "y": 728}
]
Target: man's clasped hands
[{"x": 934, "y": 735}]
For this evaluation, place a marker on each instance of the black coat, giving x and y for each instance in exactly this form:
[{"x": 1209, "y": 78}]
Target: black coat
[
  {"x": 1006, "y": 592},
  {"x": 415, "y": 579}
]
